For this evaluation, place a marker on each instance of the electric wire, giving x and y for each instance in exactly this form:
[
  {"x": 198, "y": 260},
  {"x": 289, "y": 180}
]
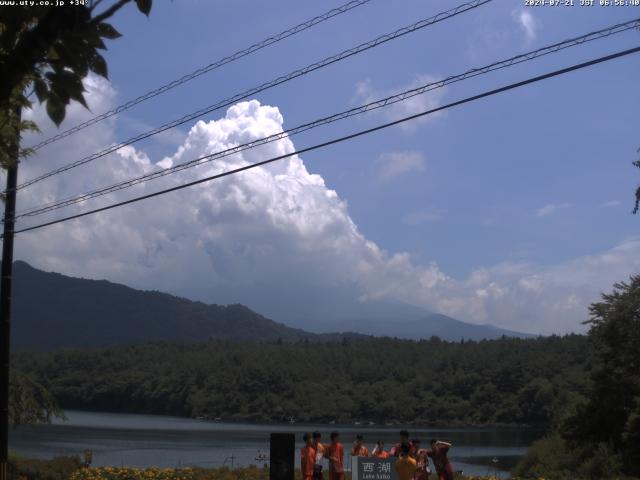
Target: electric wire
[
  {"x": 206, "y": 69},
  {"x": 384, "y": 102},
  {"x": 334, "y": 141},
  {"x": 265, "y": 86}
]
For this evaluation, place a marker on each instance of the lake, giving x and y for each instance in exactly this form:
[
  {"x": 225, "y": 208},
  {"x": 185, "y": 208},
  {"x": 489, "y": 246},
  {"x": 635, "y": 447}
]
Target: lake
[{"x": 150, "y": 440}]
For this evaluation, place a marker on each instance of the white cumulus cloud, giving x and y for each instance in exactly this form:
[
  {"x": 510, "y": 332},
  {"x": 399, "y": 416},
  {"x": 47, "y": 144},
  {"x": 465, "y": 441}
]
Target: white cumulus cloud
[{"x": 276, "y": 237}]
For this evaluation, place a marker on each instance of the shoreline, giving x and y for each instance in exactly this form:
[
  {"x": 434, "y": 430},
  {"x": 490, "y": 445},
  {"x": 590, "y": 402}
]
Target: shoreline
[{"x": 455, "y": 427}]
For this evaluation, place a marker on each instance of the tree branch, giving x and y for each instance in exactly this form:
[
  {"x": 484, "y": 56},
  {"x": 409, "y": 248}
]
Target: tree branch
[{"x": 109, "y": 11}]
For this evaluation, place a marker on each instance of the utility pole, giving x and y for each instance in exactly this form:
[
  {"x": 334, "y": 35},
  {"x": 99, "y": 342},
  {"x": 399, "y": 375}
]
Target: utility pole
[{"x": 5, "y": 298}]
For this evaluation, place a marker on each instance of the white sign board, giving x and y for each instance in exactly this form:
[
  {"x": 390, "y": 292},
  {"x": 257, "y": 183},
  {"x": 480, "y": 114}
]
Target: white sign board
[{"x": 373, "y": 468}]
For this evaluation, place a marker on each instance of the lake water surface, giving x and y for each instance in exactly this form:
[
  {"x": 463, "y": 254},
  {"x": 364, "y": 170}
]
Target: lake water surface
[{"x": 150, "y": 440}]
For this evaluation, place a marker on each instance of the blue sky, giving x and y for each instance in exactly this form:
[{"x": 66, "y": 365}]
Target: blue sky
[
  {"x": 540, "y": 176},
  {"x": 488, "y": 166}
]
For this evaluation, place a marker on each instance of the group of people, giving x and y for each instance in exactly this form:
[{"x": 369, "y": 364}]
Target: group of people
[{"x": 412, "y": 461}]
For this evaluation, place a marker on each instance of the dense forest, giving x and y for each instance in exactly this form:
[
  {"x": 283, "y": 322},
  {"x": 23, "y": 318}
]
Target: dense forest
[{"x": 429, "y": 382}]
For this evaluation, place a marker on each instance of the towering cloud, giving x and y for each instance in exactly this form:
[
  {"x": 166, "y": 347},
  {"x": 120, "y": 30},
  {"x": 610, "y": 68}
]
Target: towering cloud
[{"x": 276, "y": 237}]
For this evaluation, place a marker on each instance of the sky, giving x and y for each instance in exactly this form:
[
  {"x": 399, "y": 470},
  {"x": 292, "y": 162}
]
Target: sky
[{"x": 514, "y": 210}]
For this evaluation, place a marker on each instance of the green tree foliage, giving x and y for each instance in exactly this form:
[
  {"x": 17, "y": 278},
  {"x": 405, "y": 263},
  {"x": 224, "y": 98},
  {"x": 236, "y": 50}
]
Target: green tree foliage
[
  {"x": 30, "y": 402},
  {"x": 430, "y": 382},
  {"x": 611, "y": 414},
  {"x": 553, "y": 458},
  {"x": 49, "y": 50},
  {"x": 600, "y": 436}
]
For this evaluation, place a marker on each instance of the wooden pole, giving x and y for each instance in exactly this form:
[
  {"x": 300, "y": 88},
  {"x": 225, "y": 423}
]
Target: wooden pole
[{"x": 5, "y": 300}]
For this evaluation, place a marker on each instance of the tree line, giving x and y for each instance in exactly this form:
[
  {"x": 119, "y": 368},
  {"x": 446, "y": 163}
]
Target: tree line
[{"x": 429, "y": 382}]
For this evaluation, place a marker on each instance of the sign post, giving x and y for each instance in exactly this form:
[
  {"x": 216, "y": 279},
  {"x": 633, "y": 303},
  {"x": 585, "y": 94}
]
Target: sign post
[
  {"x": 281, "y": 455},
  {"x": 373, "y": 468}
]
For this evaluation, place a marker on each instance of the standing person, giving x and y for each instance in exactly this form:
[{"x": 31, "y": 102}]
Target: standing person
[
  {"x": 358, "y": 449},
  {"x": 307, "y": 457},
  {"x": 404, "y": 438},
  {"x": 422, "y": 461},
  {"x": 379, "y": 450},
  {"x": 320, "y": 451},
  {"x": 438, "y": 454},
  {"x": 336, "y": 458},
  {"x": 405, "y": 465}
]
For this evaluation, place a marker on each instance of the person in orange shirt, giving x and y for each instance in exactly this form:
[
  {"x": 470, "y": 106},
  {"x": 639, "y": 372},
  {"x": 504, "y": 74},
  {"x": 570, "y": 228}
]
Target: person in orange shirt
[
  {"x": 379, "y": 450},
  {"x": 336, "y": 458},
  {"x": 320, "y": 450},
  {"x": 359, "y": 450},
  {"x": 406, "y": 464},
  {"x": 307, "y": 457}
]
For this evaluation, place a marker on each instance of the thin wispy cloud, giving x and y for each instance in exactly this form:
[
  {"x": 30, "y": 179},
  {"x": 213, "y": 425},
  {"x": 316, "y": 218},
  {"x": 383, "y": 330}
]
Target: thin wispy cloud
[
  {"x": 423, "y": 216},
  {"x": 551, "y": 208},
  {"x": 391, "y": 165},
  {"x": 366, "y": 93},
  {"x": 527, "y": 23},
  {"x": 610, "y": 204}
]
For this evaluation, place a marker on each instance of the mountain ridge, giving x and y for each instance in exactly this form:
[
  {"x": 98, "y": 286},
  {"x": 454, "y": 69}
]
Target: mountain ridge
[{"x": 52, "y": 310}]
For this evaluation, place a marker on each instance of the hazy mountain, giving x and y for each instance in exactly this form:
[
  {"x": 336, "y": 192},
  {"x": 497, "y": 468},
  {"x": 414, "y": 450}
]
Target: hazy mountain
[
  {"x": 385, "y": 318},
  {"x": 51, "y": 310},
  {"x": 424, "y": 326}
]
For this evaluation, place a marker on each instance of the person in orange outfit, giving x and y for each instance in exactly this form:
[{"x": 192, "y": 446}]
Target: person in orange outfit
[
  {"x": 379, "y": 450},
  {"x": 307, "y": 457},
  {"x": 359, "y": 450},
  {"x": 406, "y": 464},
  {"x": 320, "y": 450},
  {"x": 336, "y": 458}
]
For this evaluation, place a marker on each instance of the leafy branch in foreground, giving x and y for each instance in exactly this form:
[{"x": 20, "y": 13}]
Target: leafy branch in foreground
[{"x": 50, "y": 49}]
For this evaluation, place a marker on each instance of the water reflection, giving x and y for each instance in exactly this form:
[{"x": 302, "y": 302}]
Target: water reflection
[{"x": 148, "y": 440}]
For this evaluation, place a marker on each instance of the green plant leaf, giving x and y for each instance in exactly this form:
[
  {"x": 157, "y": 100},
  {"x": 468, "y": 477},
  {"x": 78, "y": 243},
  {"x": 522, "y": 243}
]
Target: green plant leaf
[
  {"x": 107, "y": 31},
  {"x": 55, "y": 109},
  {"x": 98, "y": 65},
  {"x": 144, "y": 6},
  {"x": 78, "y": 96},
  {"x": 41, "y": 89}
]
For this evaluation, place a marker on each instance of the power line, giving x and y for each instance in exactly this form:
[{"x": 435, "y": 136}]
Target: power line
[
  {"x": 265, "y": 86},
  {"x": 599, "y": 34},
  {"x": 341, "y": 139},
  {"x": 206, "y": 69}
]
